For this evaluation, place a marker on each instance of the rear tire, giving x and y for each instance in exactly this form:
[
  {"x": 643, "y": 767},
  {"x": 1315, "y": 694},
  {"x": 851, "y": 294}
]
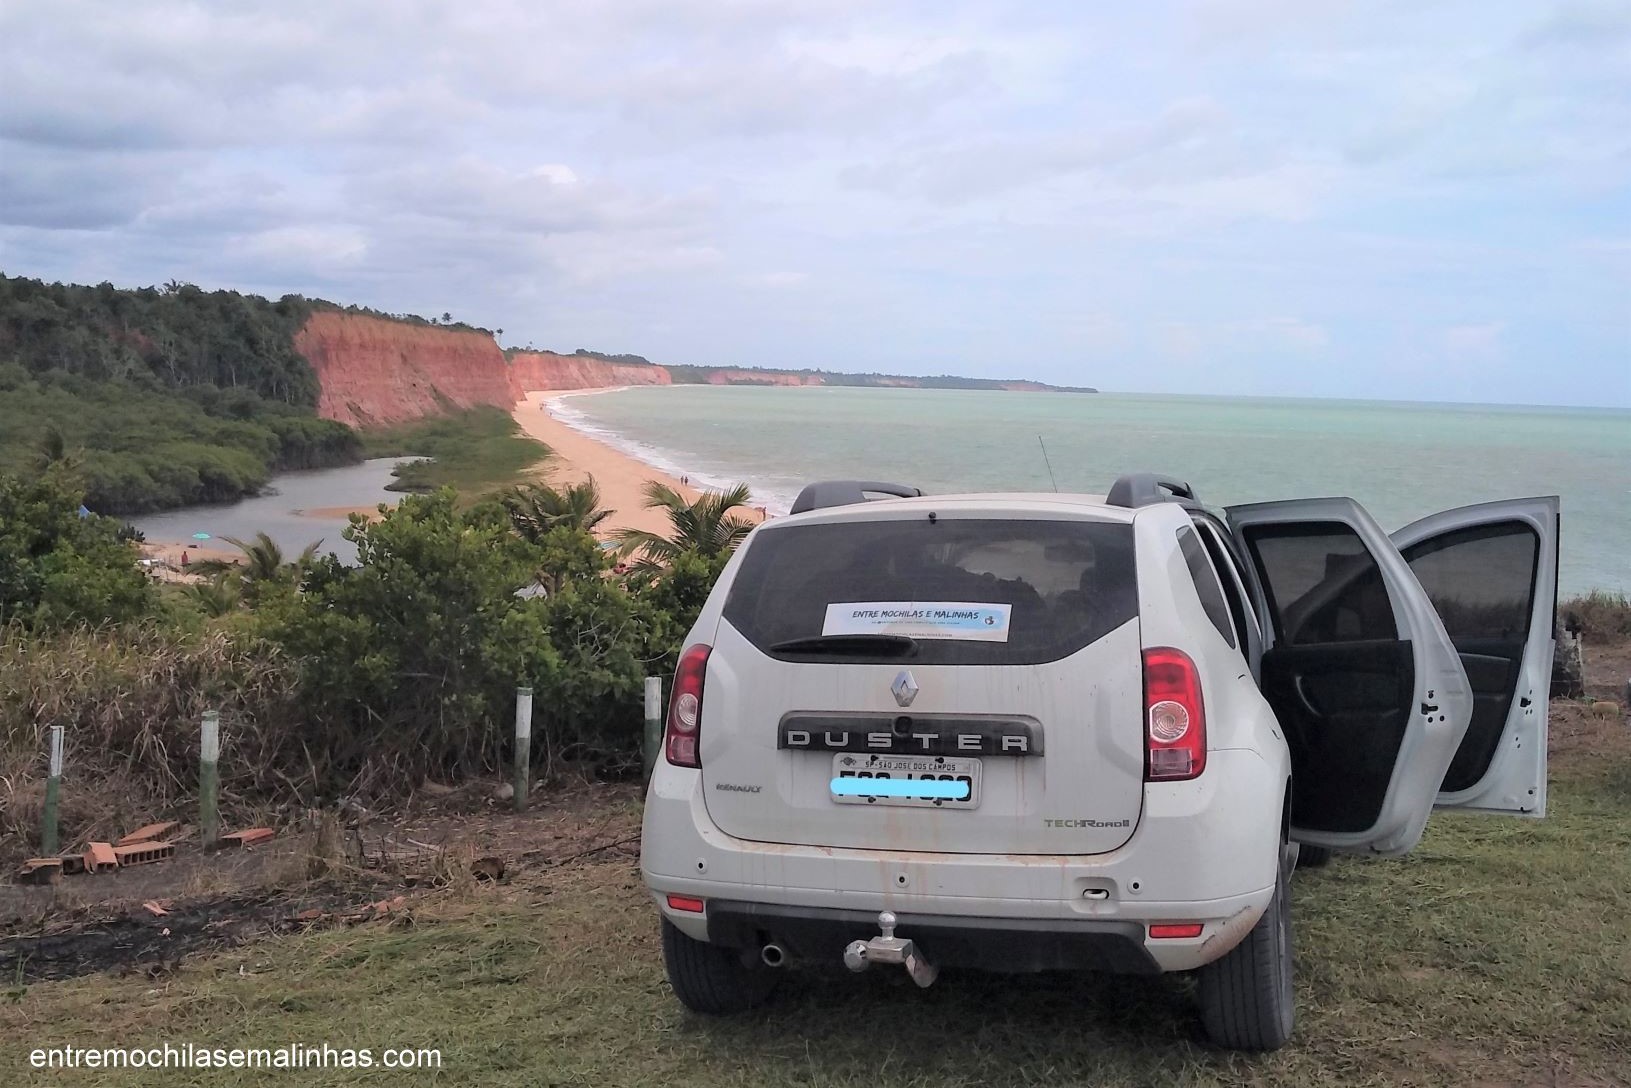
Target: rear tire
[
  {"x": 1246, "y": 997},
  {"x": 710, "y": 979},
  {"x": 1313, "y": 857}
]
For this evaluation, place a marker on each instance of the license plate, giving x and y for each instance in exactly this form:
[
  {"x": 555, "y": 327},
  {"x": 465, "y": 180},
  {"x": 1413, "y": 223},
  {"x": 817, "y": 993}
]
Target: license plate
[{"x": 947, "y": 772}]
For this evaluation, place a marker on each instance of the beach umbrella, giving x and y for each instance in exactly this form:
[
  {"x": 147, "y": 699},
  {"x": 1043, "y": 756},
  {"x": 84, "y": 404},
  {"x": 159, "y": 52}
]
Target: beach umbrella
[{"x": 201, "y": 536}]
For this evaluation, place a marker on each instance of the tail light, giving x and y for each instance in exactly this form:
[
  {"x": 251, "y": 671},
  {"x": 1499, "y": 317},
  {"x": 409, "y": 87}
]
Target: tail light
[
  {"x": 685, "y": 708},
  {"x": 1174, "y": 718}
]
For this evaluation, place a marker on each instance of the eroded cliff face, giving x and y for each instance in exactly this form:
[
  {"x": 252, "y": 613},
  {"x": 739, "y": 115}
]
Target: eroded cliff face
[
  {"x": 759, "y": 377},
  {"x": 534, "y": 370},
  {"x": 374, "y": 371}
]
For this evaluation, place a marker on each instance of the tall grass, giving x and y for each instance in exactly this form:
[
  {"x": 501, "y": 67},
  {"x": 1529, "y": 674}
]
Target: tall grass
[
  {"x": 1602, "y": 615},
  {"x": 130, "y": 702}
]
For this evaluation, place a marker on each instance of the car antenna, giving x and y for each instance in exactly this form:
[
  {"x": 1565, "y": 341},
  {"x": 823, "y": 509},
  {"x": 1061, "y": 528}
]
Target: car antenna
[{"x": 1048, "y": 462}]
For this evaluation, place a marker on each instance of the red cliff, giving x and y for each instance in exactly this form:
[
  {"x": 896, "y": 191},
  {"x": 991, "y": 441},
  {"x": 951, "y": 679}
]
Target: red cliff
[
  {"x": 373, "y": 370},
  {"x": 533, "y": 370},
  {"x": 760, "y": 377}
]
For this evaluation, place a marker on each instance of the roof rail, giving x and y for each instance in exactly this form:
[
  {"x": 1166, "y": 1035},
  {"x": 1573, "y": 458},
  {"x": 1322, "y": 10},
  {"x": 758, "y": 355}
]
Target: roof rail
[
  {"x": 1145, "y": 488},
  {"x": 819, "y": 496}
]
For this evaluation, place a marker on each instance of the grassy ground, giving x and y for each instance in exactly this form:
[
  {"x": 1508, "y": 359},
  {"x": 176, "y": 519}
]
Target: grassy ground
[
  {"x": 1494, "y": 955},
  {"x": 472, "y": 451}
]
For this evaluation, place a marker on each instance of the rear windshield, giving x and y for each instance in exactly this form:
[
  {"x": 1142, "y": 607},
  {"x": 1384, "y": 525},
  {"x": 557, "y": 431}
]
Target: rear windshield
[{"x": 967, "y": 591}]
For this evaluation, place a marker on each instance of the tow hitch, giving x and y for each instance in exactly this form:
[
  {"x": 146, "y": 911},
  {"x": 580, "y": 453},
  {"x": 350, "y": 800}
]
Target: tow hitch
[{"x": 888, "y": 948}]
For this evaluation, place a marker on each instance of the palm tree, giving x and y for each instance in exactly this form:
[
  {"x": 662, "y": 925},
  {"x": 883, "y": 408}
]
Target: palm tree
[
  {"x": 216, "y": 597},
  {"x": 263, "y": 561},
  {"x": 706, "y": 527},
  {"x": 535, "y": 509}
]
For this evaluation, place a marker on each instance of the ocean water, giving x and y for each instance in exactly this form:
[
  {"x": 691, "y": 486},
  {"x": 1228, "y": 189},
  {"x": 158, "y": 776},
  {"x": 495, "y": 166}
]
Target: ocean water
[{"x": 1401, "y": 460}]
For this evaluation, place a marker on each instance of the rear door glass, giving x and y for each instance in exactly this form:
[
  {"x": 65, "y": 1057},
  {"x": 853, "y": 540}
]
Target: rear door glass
[
  {"x": 1481, "y": 579},
  {"x": 1322, "y": 583},
  {"x": 1057, "y": 585},
  {"x": 1206, "y": 583}
]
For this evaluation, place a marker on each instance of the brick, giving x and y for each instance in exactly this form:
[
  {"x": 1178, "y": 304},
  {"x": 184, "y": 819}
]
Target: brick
[
  {"x": 100, "y": 858},
  {"x": 40, "y": 871},
  {"x": 155, "y": 908},
  {"x": 248, "y": 837},
  {"x": 72, "y": 863},
  {"x": 144, "y": 853},
  {"x": 149, "y": 833}
]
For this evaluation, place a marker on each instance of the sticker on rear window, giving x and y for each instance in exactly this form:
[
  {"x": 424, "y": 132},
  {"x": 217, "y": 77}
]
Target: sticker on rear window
[{"x": 959, "y": 620}]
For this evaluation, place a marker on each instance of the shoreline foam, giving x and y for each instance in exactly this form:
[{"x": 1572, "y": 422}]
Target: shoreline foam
[{"x": 580, "y": 449}]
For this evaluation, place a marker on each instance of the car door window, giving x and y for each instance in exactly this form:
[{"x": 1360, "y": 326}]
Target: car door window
[
  {"x": 1234, "y": 587},
  {"x": 1322, "y": 584},
  {"x": 1206, "y": 583},
  {"x": 1481, "y": 581},
  {"x": 1339, "y": 677}
]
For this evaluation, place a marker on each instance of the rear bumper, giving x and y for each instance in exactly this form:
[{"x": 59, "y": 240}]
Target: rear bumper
[
  {"x": 989, "y": 944},
  {"x": 1203, "y": 851}
]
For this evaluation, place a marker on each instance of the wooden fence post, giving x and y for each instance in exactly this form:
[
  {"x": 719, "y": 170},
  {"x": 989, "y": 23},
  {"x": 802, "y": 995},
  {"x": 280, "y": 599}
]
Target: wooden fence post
[
  {"x": 53, "y": 788},
  {"x": 654, "y": 722},
  {"x": 209, "y": 779},
  {"x": 523, "y": 746}
]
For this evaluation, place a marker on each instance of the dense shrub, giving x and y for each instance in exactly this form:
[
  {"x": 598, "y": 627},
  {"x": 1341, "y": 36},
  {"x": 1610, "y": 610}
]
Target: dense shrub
[
  {"x": 59, "y": 567},
  {"x": 1601, "y": 615},
  {"x": 331, "y": 680},
  {"x": 173, "y": 337},
  {"x": 140, "y": 449}
]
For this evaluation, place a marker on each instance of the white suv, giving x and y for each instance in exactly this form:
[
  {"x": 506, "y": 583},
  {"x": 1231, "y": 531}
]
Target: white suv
[{"x": 1031, "y": 732}]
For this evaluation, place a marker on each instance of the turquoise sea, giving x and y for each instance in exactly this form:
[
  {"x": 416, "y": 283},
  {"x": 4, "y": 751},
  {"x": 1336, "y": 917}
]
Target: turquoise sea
[{"x": 1401, "y": 460}]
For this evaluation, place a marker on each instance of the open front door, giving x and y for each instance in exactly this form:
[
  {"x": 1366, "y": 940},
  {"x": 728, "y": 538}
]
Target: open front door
[
  {"x": 1491, "y": 572},
  {"x": 1359, "y": 671}
]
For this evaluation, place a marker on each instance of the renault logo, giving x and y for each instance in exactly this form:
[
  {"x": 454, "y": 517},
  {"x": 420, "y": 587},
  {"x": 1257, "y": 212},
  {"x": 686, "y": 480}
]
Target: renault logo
[{"x": 904, "y": 688}]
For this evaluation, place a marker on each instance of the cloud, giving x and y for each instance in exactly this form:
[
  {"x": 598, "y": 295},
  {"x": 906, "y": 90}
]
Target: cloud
[{"x": 1305, "y": 190}]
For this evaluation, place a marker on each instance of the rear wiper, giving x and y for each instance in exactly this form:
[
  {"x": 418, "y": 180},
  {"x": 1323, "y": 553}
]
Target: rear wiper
[{"x": 849, "y": 645}]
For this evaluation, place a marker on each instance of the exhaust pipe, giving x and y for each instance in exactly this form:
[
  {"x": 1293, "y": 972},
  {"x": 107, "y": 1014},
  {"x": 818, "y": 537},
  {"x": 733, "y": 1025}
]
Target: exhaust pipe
[{"x": 773, "y": 954}]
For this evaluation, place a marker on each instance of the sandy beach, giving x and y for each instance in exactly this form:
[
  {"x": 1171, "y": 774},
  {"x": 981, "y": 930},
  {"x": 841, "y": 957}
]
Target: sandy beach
[{"x": 621, "y": 478}]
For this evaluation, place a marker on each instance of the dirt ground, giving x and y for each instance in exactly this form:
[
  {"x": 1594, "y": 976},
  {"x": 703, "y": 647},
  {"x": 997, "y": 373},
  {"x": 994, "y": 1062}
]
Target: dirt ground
[{"x": 374, "y": 871}]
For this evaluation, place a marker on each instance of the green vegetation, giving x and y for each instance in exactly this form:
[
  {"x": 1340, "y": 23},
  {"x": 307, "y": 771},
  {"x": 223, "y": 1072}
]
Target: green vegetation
[
  {"x": 538, "y": 509},
  {"x": 1602, "y": 615},
  {"x": 331, "y": 680},
  {"x": 57, "y": 567},
  {"x": 471, "y": 451},
  {"x": 1490, "y": 956},
  {"x": 706, "y": 527},
  {"x": 173, "y": 337},
  {"x": 161, "y": 397},
  {"x": 140, "y": 449}
]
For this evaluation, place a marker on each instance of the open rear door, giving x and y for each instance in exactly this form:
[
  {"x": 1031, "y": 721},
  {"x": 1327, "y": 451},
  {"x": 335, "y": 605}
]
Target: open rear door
[
  {"x": 1491, "y": 572},
  {"x": 1359, "y": 671}
]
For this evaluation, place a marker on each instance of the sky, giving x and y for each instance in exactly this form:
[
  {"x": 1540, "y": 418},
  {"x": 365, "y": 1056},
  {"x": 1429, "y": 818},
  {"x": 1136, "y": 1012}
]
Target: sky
[{"x": 1396, "y": 199}]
